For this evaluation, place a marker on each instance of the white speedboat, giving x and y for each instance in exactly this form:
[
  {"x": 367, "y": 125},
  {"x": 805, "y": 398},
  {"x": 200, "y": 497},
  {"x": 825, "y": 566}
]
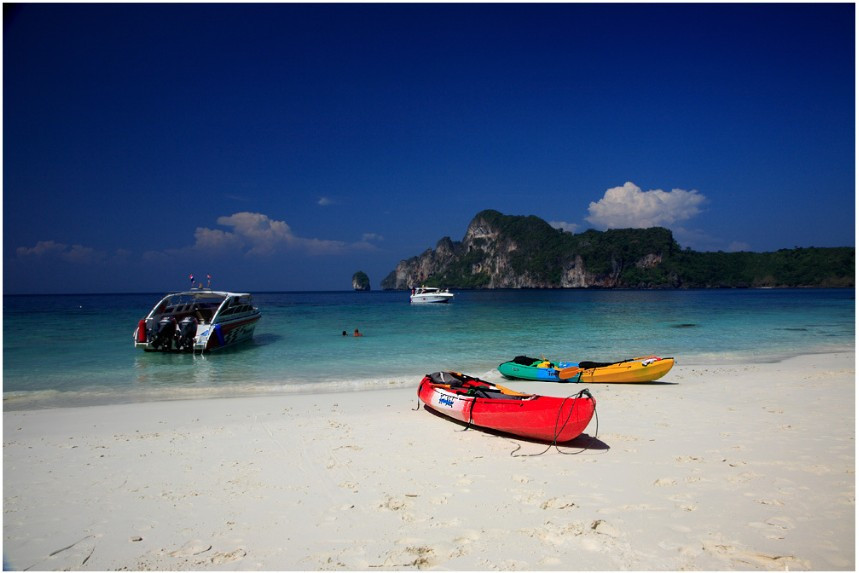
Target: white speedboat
[
  {"x": 424, "y": 294},
  {"x": 197, "y": 320}
]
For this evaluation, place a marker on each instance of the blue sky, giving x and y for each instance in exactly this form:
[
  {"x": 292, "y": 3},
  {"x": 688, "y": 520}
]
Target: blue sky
[{"x": 286, "y": 146}]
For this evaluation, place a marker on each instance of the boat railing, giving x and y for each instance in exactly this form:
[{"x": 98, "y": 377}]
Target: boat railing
[{"x": 203, "y": 313}]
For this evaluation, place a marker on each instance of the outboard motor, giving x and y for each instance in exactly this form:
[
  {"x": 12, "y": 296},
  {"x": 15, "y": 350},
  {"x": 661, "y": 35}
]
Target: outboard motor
[
  {"x": 151, "y": 329},
  {"x": 187, "y": 333},
  {"x": 166, "y": 333}
]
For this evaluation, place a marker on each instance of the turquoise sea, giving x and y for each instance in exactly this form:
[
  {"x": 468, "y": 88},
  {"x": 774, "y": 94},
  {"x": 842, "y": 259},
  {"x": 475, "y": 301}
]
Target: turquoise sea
[{"x": 76, "y": 350}]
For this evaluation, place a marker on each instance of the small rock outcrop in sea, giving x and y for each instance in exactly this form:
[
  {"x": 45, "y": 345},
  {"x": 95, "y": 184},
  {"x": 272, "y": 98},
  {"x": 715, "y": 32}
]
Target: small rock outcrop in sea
[
  {"x": 513, "y": 251},
  {"x": 360, "y": 281}
]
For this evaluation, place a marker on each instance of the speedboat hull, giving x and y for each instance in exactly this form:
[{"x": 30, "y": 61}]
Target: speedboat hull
[
  {"x": 199, "y": 320},
  {"x": 480, "y": 403},
  {"x": 431, "y": 299},
  {"x": 430, "y": 295},
  {"x": 229, "y": 333}
]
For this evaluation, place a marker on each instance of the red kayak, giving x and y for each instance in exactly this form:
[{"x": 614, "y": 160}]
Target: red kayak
[{"x": 488, "y": 405}]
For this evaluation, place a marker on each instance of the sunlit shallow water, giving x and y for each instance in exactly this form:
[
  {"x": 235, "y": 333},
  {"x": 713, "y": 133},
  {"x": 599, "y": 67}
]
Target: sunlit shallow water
[{"x": 77, "y": 349}]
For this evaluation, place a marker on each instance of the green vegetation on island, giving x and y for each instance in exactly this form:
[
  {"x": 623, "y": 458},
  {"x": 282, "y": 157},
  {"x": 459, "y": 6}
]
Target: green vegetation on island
[{"x": 504, "y": 251}]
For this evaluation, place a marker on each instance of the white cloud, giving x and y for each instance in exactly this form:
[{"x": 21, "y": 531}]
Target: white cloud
[
  {"x": 324, "y": 202},
  {"x": 630, "y": 207},
  {"x": 258, "y": 234},
  {"x": 367, "y": 243},
  {"x": 319, "y": 246},
  {"x": 564, "y": 226},
  {"x": 215, "y": 239},
  {"x": 42, "y": 248},
  {"x": 262, "y": 234},
  {"x": 62, "y": 251},
  {"x": 245, "y": 233}
]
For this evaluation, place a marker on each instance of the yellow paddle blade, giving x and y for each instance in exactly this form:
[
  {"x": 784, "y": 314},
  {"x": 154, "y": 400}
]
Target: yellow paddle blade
[
  {"x": 567, "y": 373},
  {"x": 509, "y": 392}
]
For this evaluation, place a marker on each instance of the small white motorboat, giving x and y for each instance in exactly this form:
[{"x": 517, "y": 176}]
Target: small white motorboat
[
  {"x": 197, "y": 320},
  {"x": 424, "y": 294}
]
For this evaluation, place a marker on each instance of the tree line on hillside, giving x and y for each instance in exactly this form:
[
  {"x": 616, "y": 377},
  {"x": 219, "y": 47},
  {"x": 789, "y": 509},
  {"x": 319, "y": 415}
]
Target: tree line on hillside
[{"x": 632, "y": 258}]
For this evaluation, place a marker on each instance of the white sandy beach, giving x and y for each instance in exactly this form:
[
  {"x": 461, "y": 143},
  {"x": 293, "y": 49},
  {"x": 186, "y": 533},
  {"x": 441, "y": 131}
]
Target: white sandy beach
[{"x": 720, "y": 467}]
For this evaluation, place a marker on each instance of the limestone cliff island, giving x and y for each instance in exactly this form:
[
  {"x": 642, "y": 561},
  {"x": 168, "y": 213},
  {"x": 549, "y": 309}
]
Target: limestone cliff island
[
  {"x": 360, "y": 281},
  {"x": 513, "y": 251}
]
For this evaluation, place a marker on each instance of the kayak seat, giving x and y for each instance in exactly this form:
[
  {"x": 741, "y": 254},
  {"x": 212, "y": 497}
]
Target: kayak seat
[
  {"x": 469, "y": 386},
  {"x": 525, "y": 360},
  {"x": 444, "y": 378},
  {"x": 585, "y": 365},
  {"x": 491, "y": 393},
  {"x": 589, "y": 365}
]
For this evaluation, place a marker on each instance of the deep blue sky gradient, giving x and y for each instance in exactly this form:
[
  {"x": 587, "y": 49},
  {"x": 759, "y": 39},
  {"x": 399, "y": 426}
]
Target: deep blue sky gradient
[{"x": 359, "y": 135}]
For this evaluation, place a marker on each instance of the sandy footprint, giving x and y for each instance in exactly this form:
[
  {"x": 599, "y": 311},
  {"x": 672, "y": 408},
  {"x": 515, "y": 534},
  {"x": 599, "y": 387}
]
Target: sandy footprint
[
  {"x": 743, "y": 477},
  {"x": 555, "y": 534},
  {"x": 468, "y": 536},
  {"x": 234, "y": 555},
  {"x": 530, "y": 497},
  {"x": 558, "y": 503},
  {"x": 768, "y": 561},
  {"x": 74, "y": 556},
  {"x": 445, "y": 523},
  {"x": 742, "y": 559},
  {"x": 351, "y": 485},
  {"x": 775, "y": 523},
  {"x": 462, "y": 545},
  {"x": 349, "y": 447},
  {"x": 392, "y": 504},
  {"x": 191, "y": 548},
  {"x": 602, "y": 527},
  {"x": 412, "y": 556},
  {"x": 818, "y": 469}
]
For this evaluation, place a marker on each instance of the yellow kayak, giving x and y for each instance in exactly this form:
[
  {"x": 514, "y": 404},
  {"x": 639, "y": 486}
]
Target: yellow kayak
[{"x": 640, "y": 369}]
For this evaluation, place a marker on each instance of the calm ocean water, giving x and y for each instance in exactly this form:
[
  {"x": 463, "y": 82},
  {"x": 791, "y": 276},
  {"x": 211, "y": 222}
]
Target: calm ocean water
[{"x": 77, "y": 349}]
